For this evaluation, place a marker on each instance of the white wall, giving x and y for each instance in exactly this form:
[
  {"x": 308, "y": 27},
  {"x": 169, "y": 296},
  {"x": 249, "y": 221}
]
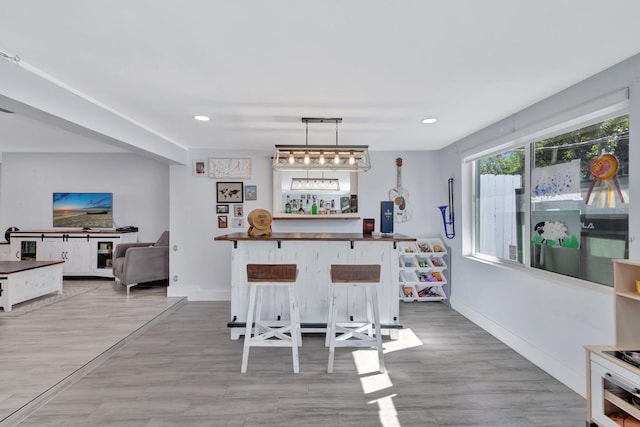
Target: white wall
[
  {"x": 139, "y": 186},
  {"x": 546, "y": 317},
  {"x": 202, "y": 266}
]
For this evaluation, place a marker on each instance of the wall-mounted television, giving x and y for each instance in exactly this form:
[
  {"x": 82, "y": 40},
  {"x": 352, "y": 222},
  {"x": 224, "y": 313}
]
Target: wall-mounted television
[{"x": 84, "y": 210}]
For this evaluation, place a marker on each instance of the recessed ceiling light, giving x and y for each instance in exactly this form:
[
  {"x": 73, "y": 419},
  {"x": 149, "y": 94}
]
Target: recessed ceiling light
[
  {"x": 430, "y": 120},
  {"x": 202, "y": 118}
]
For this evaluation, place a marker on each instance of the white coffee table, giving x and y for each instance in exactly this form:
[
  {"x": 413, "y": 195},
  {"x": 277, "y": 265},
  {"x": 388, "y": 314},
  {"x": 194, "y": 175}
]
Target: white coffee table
[{"x": 24, "y": 280}]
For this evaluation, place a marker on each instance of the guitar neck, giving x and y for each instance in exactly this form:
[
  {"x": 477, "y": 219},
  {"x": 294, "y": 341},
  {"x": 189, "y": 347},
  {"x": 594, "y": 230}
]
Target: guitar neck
[{"x": 399, "y": 178}]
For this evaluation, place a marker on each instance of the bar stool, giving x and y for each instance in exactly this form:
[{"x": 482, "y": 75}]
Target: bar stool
[
  {"x": 352, "y": 333},
  {"x": 271, "y": 333}
]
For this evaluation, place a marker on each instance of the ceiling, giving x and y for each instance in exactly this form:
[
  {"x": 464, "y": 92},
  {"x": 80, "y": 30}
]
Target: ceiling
[{"x": 257, "y": 67}]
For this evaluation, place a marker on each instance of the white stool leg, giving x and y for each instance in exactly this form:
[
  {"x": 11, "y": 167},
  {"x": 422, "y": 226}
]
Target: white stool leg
[
  {"x": 248, "y": 328},
  {"x": 331, "y": 327},
  {"x": 297, "y": 316},
  {"x": 295, "y": 328},
  {"x": 378, "y": 332},
  {"x": 258, "y": 316},
  {"x": 370, "y": 315}
]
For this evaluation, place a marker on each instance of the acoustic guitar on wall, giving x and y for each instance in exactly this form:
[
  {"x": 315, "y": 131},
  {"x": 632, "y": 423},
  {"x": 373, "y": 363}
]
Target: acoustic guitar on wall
[{"x": 400, "y": 197}]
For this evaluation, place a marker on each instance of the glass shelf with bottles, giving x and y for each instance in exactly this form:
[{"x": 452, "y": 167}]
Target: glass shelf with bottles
[{"x": 316, "y": 206}]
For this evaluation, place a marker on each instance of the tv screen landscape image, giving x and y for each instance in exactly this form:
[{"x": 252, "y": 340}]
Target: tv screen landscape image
[{"x": 84, "y": 210}]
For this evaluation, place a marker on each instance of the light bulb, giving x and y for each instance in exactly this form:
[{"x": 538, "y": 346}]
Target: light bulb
[
  {"x": 307, "y": 160},
  {"x": 352, "y": 159},
  {"x": 336, "y": 159},
  {"x": 292, "y": 160},
  {"x": 321, "y": 160}
]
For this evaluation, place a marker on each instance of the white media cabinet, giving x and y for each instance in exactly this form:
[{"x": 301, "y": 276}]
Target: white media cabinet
[{"x": 85, "y": 253}]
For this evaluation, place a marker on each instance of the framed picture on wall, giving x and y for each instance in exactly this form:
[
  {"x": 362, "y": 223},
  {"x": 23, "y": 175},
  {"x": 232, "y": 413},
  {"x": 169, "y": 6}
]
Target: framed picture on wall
[
  {"x": 238, "y": 211},
  {"x": 200, "y": 167},
  {"x": 222, "y": 221},
  {"x": 250, "y": 192},
  {"x": 222, "y": 209},
  {"x": 229, "y": 192},
  {"x": 230, "y": 168}
]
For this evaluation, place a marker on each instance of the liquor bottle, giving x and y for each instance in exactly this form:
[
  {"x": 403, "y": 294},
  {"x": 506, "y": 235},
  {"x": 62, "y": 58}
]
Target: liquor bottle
[
  {"x": 314, "y": 207},
  {"x": 287, "y": 205}
]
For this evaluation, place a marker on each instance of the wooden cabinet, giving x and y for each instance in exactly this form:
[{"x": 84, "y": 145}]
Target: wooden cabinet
[
  {"x": 422, "y": 270},
  {"x": 84, "y": 253},
  {"x": 614, "y": 398},
  {"x": 627, "y": 303},
  {"x": 613, "y": 385}
]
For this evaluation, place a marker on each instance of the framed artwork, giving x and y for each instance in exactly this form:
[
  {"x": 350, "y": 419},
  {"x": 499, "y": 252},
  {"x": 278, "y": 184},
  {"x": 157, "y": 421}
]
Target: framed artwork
[
  {"x": 222, "y": 221},
  {"x": 250, "y": 192},
  {"x": 222, "y": 209},
  {"x": 199, "y": 167},
  {"x": 230, "y": 168},
  {"x": 238, "y": 211},
  {"x": 229, "y": 192},
  {"x": 238, "y": 222}
]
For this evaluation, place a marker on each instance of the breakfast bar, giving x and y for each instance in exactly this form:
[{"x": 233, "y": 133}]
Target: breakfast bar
[{"x": 314, "y": 253}]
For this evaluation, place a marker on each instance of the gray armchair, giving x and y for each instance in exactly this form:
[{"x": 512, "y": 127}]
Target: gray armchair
[{"x": 137, "y": 263}]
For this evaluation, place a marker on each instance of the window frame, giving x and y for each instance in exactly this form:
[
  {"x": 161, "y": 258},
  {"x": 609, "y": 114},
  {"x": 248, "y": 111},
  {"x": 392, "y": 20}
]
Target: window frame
[{"x": 526, "y": 138}]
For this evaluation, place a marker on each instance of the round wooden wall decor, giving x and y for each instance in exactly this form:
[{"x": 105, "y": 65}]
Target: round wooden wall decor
[{"x": 260, "y": 222}]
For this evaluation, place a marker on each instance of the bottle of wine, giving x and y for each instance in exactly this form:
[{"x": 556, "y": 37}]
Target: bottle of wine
[
  {"x": 314, "y": 207},
  {"x": 287, "y": 205}
]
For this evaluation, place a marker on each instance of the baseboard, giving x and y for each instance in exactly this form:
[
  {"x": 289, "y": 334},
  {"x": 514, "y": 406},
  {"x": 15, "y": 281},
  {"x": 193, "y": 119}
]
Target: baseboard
[
  {"x": 544, "y": 361},
  {"x": 198, "y": 294}
]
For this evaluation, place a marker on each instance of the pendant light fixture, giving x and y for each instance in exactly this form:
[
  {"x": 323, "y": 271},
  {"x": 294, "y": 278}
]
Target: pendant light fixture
[{"x": 345, "y": 158}]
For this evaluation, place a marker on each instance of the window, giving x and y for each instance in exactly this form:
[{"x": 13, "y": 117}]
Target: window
[
  {"x": 574, "y": 219},
  {"x": 499, "y": 211}
]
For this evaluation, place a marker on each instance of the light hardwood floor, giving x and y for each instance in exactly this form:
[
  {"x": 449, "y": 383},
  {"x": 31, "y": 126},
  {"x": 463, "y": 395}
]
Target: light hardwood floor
[{"x": 185, "y": 371}]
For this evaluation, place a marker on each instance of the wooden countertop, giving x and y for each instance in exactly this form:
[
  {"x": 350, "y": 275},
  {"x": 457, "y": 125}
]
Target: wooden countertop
[
  {"x": 343, "y": 237},
  {"x": 8, "y": 267}
]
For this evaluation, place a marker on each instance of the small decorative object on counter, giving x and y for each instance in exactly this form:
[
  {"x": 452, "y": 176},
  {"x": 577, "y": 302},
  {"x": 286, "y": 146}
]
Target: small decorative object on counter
[
  {"x": 368, "y": 225},
  {"x": 260, "y": 223},
  {"x": 386, "y": 217}
]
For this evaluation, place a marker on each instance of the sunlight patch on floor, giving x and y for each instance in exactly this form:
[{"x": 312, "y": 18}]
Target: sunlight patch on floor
[
  {"x": 371, "y": 381},
  {"x": 406, "y": 339},
  {"x": 387, "y": 411}
]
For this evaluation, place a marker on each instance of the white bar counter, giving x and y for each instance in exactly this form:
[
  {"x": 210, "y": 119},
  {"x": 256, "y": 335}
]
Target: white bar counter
[{"x": 314, "y": 253}]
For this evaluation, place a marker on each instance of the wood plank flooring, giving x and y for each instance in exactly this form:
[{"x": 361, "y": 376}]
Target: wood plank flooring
[
  {"x": 185, "y": 371},
  {"x": 51, "y": 347}
]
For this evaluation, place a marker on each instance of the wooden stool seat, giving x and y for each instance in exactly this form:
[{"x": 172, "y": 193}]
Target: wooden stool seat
[
  {"x": 271, "y": 333},
  {"x": 354, "y": 333}
]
